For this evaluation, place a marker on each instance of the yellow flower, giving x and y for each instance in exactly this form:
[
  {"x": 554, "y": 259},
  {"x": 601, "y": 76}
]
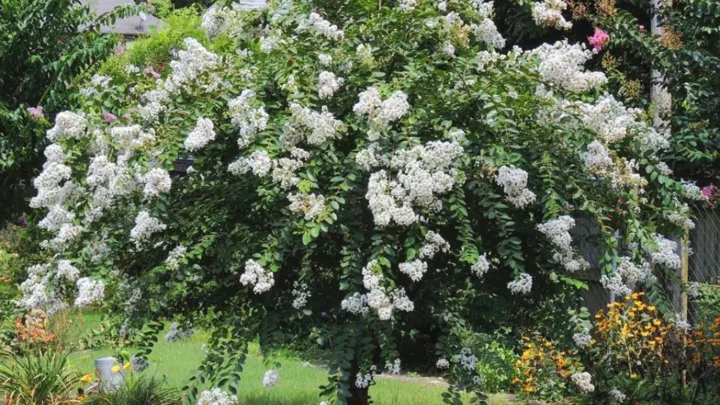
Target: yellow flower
[
  {"x": 87, "y": 378},
  {"x": 633, "y": 376},
  {"x": 127, "y": 366},
  {"x": 116, "y": 369},
  {"x": 81, "y": 398}
]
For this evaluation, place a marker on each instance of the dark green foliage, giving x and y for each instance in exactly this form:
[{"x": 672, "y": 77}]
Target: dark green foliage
[{"x": 43, "y": 378}]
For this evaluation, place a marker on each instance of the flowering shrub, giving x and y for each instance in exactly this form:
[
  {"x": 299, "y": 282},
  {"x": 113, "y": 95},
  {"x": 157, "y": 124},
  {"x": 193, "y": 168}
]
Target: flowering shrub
[
  {"x": 544, "y": 370},
  {"x": 356, "y": 170}
]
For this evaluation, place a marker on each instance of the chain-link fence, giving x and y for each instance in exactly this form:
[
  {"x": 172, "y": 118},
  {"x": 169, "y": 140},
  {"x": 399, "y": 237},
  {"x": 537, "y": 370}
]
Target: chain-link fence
[
  {"x": 693, "y": 291},
  {"x": 704, "y": 265}
]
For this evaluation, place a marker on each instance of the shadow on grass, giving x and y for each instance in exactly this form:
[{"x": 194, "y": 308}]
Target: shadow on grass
[{"x": 269, "y": 399}]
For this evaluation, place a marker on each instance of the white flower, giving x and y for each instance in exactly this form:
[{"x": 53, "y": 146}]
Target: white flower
[
  {"x": 329, "y": 85},
  {"x": 173, "y": 260},
  {"x": 394, "y": 367},
  {"x": 597, "y": 160},
  {"x": 582, "y": 339},
  {"x": 65, "y": 270},
  {"x": 481, "y": 266},
  {"x": 364, "y": 51},
  {"x": 614, "y": 283},
  {"x": 415, "y": 269},
  {"x": 248, "y": 116},
  {"x": 407, "y": 5},
  {"x": 300, "y": 293},
  {"x": 442, "y": 364},
  {"x": 203, "y": 134},
  {"x": 256, "y": 275},
  {"x": 487, "y": 32},
  {"x": 400, "y": 301},
  {"x": 617, "y": 395},
  {"x": 514, "y": 183},
  {"x": 145, "y": 226},
  {"x": 434, "y": 243},
  {"x": 54, "y": 154},
  {"x": 325, "y": 59},
  {"x": 363, "y": 381},
  {"x": 665, "y": 252},
  {"x": 583, "y": 381},
  {"x": 270, "y": 379},
  {"x": 664, "y": 169},
  {"x": 355, "y": 304},
  {"x": 56, "y": 218},
  {"x": 316, "y": 127},
  {"x": 67, "y": 125},
  {"x": 315, "y": 24},
  {"x": 521, "y": 285},
  {"x": 466, "y": 359},
  {"x": 259, "y": 162},
  {"x": 157, "y": 181},
  {"x": 89, "y": 292},
  {"x": 216, "y": 396},
  {"x": 312, "y": 206},
  {"x": 562, "y": 64},
  {"x": 548, "y": 13},
  {"x": 382, "y": 113}
]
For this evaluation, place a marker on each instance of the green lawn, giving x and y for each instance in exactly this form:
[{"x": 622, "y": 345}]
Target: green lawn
[{"x": 298, "y": 384}]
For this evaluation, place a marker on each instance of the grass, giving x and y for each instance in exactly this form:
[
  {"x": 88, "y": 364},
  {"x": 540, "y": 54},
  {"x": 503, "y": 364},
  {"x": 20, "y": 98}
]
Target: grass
[{"x": 176, "y": 362}]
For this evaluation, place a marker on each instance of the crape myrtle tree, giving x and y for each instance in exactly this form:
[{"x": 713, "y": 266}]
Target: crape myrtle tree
[{"x": 359, "y": 168}]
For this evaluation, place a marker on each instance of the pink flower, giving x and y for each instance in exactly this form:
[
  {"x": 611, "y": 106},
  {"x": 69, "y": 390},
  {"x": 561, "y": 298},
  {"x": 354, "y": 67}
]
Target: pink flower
[
  {"x": 708, "y": 193},
  {"x": 642, "y": 28},
  {"x": 108, "y": 117},
  {"x": 599, "y": 39},
  {"x": 149, "y": 70},
  {"x": 36, "y": 112}
]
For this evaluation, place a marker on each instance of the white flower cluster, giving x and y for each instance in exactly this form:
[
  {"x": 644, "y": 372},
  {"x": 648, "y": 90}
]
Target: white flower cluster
[
  {"x": 132, "y": 137},
  {"x": 300, "y": 294},
  {"x": 407, "y": 5},
  {"x": 199, "y": 137},
  {"x": 172, "y": 262},
  {"x": 256, "y": 275},
  {"x": 514, "y": 183},
  {"x": 424, "y": 172},
  {"x": 487, "y": 32},
  {"x": 692, "y": 191},
  {"x": 325, "y": 60},
  {"x": 433, "y": 243},
  {"x": 89, "y": 292},
  {"x": 608, "y": 118},
  {"x": 558, "y": 232},
  {"x": 34, "y": 288},
  {"x": 145, "y": 226},
  {"x": 315, "y": 127},
  {"x": 376, "y": 298},
  {"x": 329, "y": 85},
  {"x": 442, "y": 364},
  {"x": 364, "y": 51},
  {"x": 634, "y": 274},
  {"x": 284, "y": 169},
  {"x": 694, "y": 290},
  {"x": 356, "y": 304},
  {"x": 582, "y": 339},
  {"x": 481, "y": 266},
  {"x": 415, "y": 269},
  {"x": 56, "y": 218},
  {"x": 54, "y": 154},
  {"x": 65, "y": 270},
  {"x": 597, "y": 160},
  {"x": 466, "y": 359},
  {"x": 665, "y": 253},
  {"x": 394, "y": 367},
  {"x": 157, "y": 181},
  {"x": 219, "y": 20},
  {"x": 216, "y": 396},
  {"x": 363, "y": 381},
  {"x": 270, "y": 379},
  {"x": 190, "y": 64},
  {"x": 583, "y": 381},
  {"x": 381, "y": 113},
  {"x": 48, "y": 184},
  {"x": 548, "y": 13},
  {"x": 67, "y": 125},
  {"x": 521, "y": 285},
  {"x": 561, "y": 64},
  {"x": 617, "y": 395},
  {"x": 664, "y": 169},
  {"x": 259, "y": 162},
  {"x": 652, "y": 140},
  {"x": 615, "y": 284},
  {"x": 248, "y": 116},
  {"x": 315, "y": 24},
  {"x": 311, "y": 205}
]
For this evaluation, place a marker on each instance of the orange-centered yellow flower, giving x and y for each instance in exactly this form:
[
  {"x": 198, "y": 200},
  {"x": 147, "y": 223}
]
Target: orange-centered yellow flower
[{"x": 87, "y": 378}]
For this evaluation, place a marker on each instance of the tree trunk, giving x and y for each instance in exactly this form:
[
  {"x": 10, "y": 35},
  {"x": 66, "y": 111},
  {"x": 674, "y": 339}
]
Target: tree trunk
[{"x": 360, "y": 396}]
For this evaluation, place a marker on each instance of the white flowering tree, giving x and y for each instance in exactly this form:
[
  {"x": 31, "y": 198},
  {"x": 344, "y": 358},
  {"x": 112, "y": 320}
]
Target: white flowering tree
[{"x": 359, "y": 169}]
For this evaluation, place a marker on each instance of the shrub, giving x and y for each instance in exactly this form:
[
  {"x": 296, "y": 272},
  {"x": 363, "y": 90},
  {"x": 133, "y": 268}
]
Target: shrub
[
  {"x": 138, "y": 389},
  {"x": 373, "y": 174},
  {"x": 42, "y": 378}
]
